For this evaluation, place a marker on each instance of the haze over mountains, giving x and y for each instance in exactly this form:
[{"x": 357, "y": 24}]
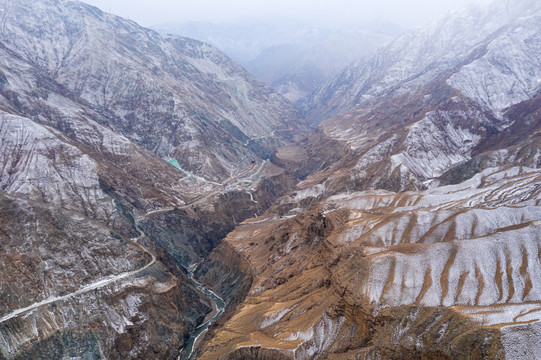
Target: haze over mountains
[
  {"x": 407, "y": 267},
  {"x": 406, "y": 224},
  {"x": 444, "y": 90},
  {"x": 293, "y": 57},
  {"x": 90, "y": 103}
]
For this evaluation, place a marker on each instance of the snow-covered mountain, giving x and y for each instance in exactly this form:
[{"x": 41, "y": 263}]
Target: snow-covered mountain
[
  {"x": 294, "y": 58},
  {"x": 413, "y": 232},
  {"x": 89, "y": 105},
  {"x": 492, "y": 39},
  {"x": 416, "y": 231},
  {"x": 427, "y": 102},
  {"x": 169, "y": 94},
  {"x": 446, "y": 273}
]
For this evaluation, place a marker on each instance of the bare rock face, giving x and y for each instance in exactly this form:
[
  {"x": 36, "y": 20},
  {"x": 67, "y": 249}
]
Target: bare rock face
[
  {"x": 89, "y": 105},
  {"x": 171, "y": 95},
  {"x": 483, "y": 51},
  {"x": 425, "y": 88},
  {"x": 369, "y": 257},
  {"x": 436, "y": 98},
  {"x": 74, "y": 287},
  {"x": 294, "y": 58},
  {"x": 76, "y": 282},
  {"x": 420, "y": 240},
  {"x": 445, "y": 273}
]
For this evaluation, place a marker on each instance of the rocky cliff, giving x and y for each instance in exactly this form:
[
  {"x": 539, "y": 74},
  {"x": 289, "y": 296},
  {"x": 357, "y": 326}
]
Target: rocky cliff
[
  {"x": 444, "y": 273},
  {"x": 437, "y": 97},
  {"x": 483, "y": 51},
  {"x": 293, "y": 57},
  {"x": 171, "y": 95},
  {"x": 89, "y": 105},
  {"x": 74, "y": 287},
  {"x": 415, "y": 231}
]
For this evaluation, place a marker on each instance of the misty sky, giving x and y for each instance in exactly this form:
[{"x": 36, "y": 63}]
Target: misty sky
[{"x": 402, "y": 12}]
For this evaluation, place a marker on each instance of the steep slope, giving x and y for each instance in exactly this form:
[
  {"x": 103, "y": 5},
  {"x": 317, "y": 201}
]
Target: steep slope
[
  {"x": 89, "y": 105},
  {"x": 408, "y": 268},
  {"x": 292, "y": 57},
  {"x": 98, "y": 231},
  {"x": 492, "y": 40},
  {"x": 73, "y": 283},
  {"x": 169, "y": 94},
  {"x": 74, "y": 287},
  {"x": 435, "y": 98},
  {"x": 446, "y": 273}
]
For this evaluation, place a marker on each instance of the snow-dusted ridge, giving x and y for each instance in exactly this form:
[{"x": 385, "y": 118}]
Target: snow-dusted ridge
[
  {"x": 95, "y": 285},
  {"x": 412, "y": 267},
  {"x": 437, "y": 97},
  {"x": 170, "y": 94},
  {"x": 490, "y": 48}
]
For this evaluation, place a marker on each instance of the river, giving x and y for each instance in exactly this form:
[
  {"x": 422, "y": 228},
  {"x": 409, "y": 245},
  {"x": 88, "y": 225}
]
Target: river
[{"x": 219, "y": 307}]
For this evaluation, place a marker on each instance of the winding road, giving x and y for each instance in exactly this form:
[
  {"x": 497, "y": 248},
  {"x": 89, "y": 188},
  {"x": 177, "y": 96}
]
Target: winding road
[
  {"x": 272, "y": 134},
  {"x": 218, "y": 303},
  {"x": 230, "y": 182},
  {"x": 93, "y": 286}
]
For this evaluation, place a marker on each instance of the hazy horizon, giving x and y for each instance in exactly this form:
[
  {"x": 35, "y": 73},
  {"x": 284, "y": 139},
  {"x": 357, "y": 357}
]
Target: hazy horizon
[{"x": 322, "y": 12}]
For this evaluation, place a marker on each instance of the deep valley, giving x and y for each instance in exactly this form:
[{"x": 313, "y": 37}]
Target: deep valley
[{"x": 158, "y": 201}]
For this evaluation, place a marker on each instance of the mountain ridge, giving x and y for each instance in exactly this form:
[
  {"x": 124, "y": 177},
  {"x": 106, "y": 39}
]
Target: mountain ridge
[
  {"x": 421, "y": 53},
  {"x": 406, "y": 225},
  {"x": 90, "y": 104},
  {"x": 414, "y": 232},
  {"x": 163, "y": 71}
]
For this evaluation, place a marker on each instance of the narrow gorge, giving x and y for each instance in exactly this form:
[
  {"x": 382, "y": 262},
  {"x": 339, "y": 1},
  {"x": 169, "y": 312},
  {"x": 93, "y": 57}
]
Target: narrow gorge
[{"x": 158, "y": 201}]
